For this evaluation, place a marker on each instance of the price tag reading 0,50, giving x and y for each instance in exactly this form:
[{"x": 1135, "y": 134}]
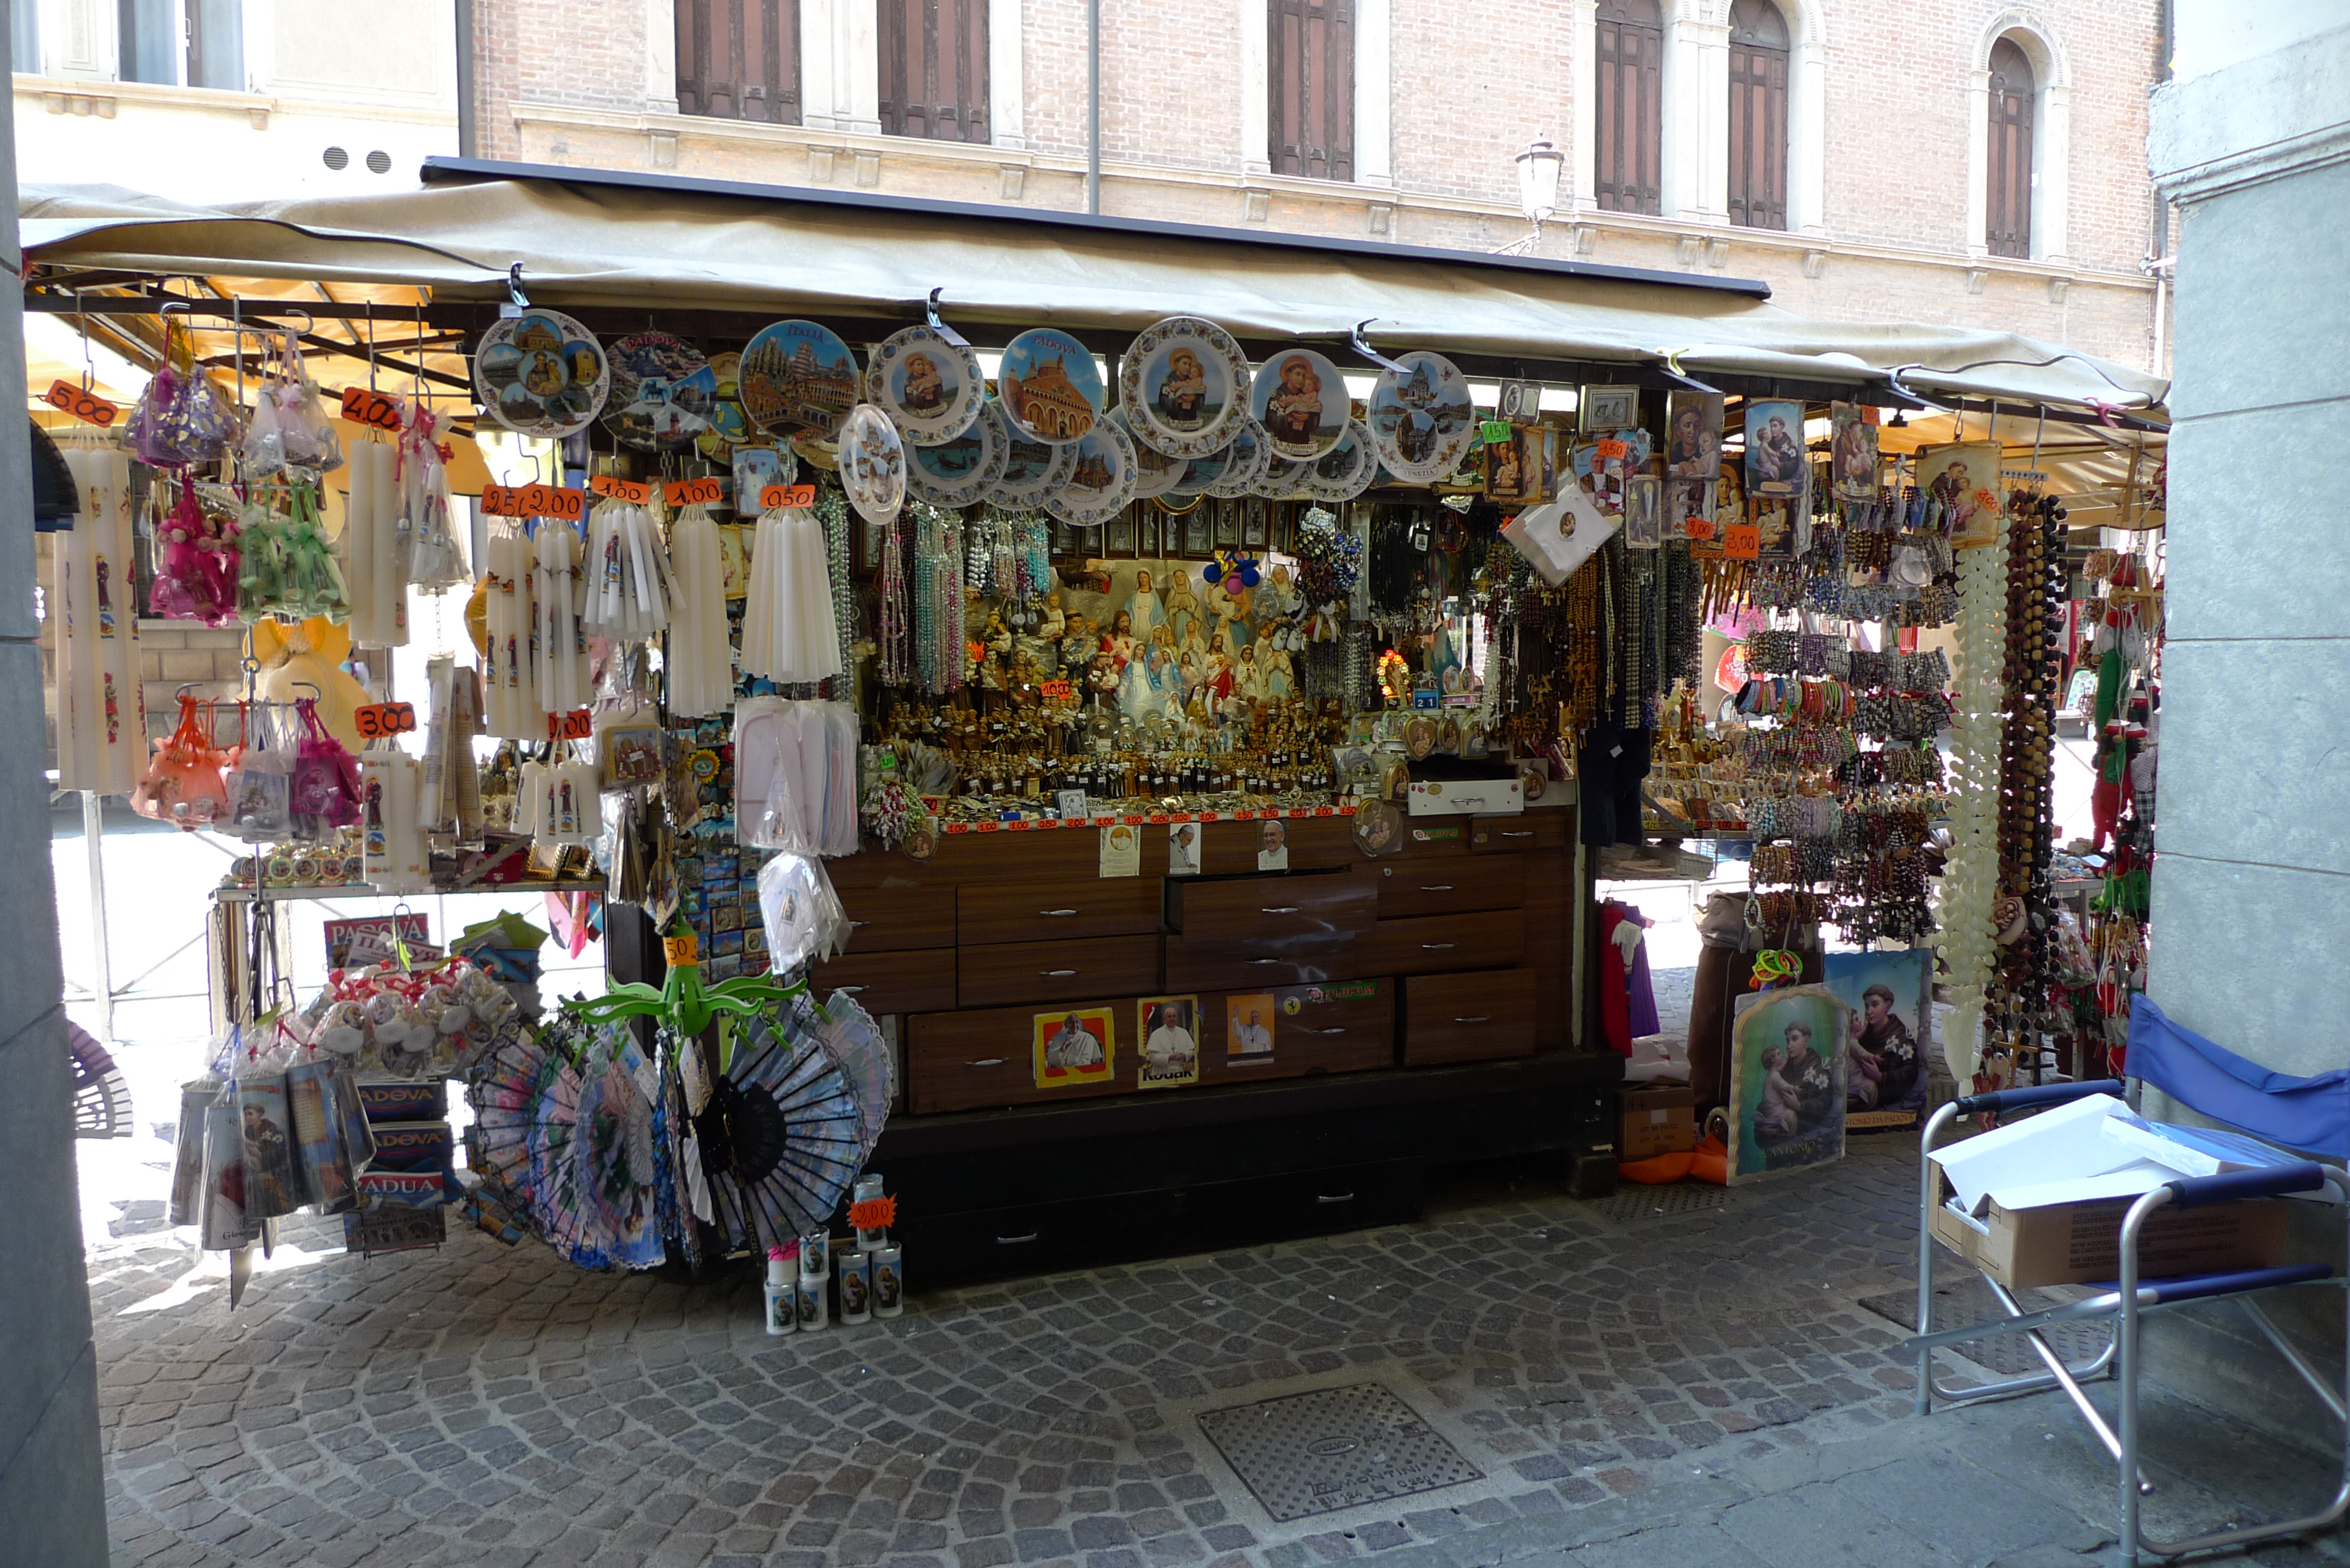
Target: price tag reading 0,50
[
  {"x": 577, "y": 725},
  {"x": 88, "y": 407},
  {"x": 379, "y": 720},
  {"x": 786, "y": 496},
  {"x": 534, "y": 501}
]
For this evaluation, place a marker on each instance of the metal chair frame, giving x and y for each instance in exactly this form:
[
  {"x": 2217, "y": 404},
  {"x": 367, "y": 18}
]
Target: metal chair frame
[{"x": 2125, "y": 1307}]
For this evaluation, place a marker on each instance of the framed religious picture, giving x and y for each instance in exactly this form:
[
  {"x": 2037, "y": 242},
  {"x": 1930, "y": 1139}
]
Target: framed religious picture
[
  {"x": 1248, "y": 1028},
  {"x": 1962, "y": 485},
  {"x": 1146, "y": 532},
  {"x": 1065, "y": 542},
  {"x": 1166, "y": 1029},
  {"x": 1607, "y": 408},
  {"x": 1644, "y": 506},
  {"x": 1254, "y": 526},
  {"x": 1521, "y": 402},
  {"x": 1079, "y": 1046},
  {"x": 1851, "y": 452},
  {"x": 1775, "y": 461},
  {"x": 1890, "y": 999},
  {"x": 1117, "y": 537},
  {"x": 1198, "y": 536},
  {"x": 1788, "y": 1054},
  {"x": 1228, "y": 523}
]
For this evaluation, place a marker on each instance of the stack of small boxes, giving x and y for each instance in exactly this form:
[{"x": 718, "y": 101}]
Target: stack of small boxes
[{"x": 403, "y": 1191}]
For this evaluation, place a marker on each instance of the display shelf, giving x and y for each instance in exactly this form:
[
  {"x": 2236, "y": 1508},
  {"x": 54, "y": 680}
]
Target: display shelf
[{"x": 324, "y": 890}]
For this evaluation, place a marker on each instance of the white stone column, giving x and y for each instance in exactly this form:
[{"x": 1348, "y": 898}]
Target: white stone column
[
  {"x": 1701, "y": 162},
  {"x": 2052, "y": 158},
  {"x": 1579, "y": 137},
  {"x": 857, "y": 65},
  {"x": 1007, "y": 102},
  {"x": 661, "y": 56},
  {"x": 1807, "y": 122},
  {"x": 1256, "y": 131},
  {"x": 1977, "y": 237},
  {"x": 1373, "y": 93},
  {"x": 819, "y": 95}
]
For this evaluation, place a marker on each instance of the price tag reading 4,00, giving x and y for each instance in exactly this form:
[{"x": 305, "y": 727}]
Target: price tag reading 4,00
[
  {"x": 379, "y": 720},
  {"x": 577, "y": 725},
  {"x": 364, "y": 407},
  {"x": 786, "y": 496}
]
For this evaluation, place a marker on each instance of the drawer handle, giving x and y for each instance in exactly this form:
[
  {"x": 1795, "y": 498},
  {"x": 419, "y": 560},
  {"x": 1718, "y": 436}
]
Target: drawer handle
[
  {"x": 1309, "y": 1029},
  {"x": 1436, "y": 946},
  {"x": 1056, "y": 914},
  {"x": 1436, "y": 887},
  {"x": 1016, "y": 1240},
  {"x": 859, "y": 924},
  {"x": 846, "y": 990},
  {"x": 1268, "y": 961},
  {"x": 1276, "y": 909},
  {"x": 1057, "y": 973},
  {"x": 1480, "y": 1018},
  {"x": 1334, "y": 1198},
  {"x": 1520, "y": 832},
  {"x": 988, "y": 1062}
]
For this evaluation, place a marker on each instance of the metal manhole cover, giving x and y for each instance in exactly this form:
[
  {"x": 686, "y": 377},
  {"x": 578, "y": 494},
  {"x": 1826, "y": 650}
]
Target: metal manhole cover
[
  {"x": 1638, "y": 1203},
  {"x": 1305, "y": 1454}
]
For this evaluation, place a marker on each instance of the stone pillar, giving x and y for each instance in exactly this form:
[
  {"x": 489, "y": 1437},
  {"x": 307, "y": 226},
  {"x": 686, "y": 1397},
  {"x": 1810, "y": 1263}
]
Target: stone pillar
[
  {"x": 52, "y": 1496},
  {"x": 2251, "y": 886}
]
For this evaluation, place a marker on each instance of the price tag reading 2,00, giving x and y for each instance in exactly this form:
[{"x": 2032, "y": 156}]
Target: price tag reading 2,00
[
  {"x": 555, "y": 500},
  {"x": 577, "y": 725}
]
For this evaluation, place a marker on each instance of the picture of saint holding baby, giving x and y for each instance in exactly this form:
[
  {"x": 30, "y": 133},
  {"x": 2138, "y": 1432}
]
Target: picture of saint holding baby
[{"x": 1788, "y": 1063}]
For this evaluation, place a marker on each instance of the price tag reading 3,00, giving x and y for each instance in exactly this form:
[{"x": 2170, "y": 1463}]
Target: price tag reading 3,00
[{"x": 379, "y": 720}]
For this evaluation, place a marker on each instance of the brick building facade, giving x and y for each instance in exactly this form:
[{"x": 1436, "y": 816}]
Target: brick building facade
[{"x": 1881, "y": 127}]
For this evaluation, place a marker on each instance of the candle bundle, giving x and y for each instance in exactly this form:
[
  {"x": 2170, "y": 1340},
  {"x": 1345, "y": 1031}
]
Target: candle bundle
[
  {"x": 510, "y": 667},
  {"x": 372, "y": 570},
  {"x": 396, "y": 851},
  {"x": 789, "y": 634},
  {"x": 101, "y": 716},
  {"x": 557, "y": 805},
  {"x": 628, "y": 588},
  {"x": 701, "y": 665},
  {"x": 451, "y": 803},
  {"x": 562, "y": 651}
]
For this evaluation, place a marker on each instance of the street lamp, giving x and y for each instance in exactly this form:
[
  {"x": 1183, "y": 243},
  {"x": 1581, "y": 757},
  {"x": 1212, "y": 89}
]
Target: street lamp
[{"x": 1538, "y": 170}]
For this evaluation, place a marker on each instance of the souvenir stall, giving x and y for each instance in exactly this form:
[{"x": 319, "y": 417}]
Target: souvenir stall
[{"x": 1114, "y": 735}]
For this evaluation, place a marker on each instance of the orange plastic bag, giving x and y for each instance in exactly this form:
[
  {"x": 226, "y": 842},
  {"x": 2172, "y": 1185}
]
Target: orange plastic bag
[{"x": 184, "y": 785}]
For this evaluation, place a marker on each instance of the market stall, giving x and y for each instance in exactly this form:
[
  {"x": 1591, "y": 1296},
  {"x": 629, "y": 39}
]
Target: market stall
[{"x": 1160, "y": 693}]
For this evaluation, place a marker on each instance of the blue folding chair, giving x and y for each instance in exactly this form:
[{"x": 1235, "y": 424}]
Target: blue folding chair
[{"x": 2308, "y": 1116}]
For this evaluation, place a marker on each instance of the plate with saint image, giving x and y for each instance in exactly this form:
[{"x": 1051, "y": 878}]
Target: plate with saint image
[
  {"x": 1299, "y": 401},
  {"x": 960, "y": 472},
  {"x": 1101, "y": 481},
  {"x": 932, "y": 389},
  {"x": 1185, "y": 386},
  {"x": 1032, "y": 469}
]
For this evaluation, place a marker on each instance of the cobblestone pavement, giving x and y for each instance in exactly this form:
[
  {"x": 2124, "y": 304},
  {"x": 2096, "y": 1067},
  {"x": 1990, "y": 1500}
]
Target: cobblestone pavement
[{"x": 1672, "y": 1375}]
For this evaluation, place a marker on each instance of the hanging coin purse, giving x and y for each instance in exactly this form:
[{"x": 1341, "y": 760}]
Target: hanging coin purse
[
  {"x": 260, "y": 783},
  {"x": 196, "y": 574},
  {"x": 324, "y": 792},
  {"x": 180, "y": 418},
  {"x": 182, "y": 785}
]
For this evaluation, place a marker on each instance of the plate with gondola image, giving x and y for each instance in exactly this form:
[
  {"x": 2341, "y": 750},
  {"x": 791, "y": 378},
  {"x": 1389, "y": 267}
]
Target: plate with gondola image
[
  {"x": 541, "y": 374},
  {"x": 1184, "y": 384},
  {"x": 961, "y": 471},
  {"x": 1245, "y": 464},
  {"x": 932, "y": 389}
]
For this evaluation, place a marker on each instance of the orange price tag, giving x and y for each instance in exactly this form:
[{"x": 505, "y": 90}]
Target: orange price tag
[
  {"x": 787, "y": 496},
  {"x": 374, "y": 409},
  {"x": 576, "y": 725},
  {"x": 618, "y": 489},
  {"x": 681, "y": 949},
  {"x": 1698, "y": 528},
  {"x": 874, "y": 1213},
  {"x": 1057, "y": 691},
  {"x": 534, "y": 501},
  {"x": 703, "y": 491},
  {"x": 378, "y": 721},
  {"x": 1614, "y": 449},
  {"x": 1742, "y": 542},
  {"x": 86, "y": 407}
]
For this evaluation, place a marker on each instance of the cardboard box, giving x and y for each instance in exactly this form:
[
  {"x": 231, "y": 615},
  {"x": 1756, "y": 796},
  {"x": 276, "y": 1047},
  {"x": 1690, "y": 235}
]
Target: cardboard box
[
  {"x": 2079, "y": 1242},
  {"x": 1654, "y": 1119}
]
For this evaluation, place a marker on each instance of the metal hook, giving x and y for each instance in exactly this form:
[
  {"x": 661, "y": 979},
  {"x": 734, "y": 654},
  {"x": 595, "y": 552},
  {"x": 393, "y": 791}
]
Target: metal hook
[
  {"x": 947, "y": 335},
  {"x": 1362, "y": 346},
  {"x": 1672, "y": 369},
  {"x": 1893, "y": 379},
  {"x": 514, "y": 288}
]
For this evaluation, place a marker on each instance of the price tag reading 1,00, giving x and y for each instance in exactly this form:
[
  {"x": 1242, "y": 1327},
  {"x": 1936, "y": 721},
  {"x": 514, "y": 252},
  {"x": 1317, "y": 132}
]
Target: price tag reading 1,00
[
  {"x": 379, "y": 720},
  {"x": 577, "y": 725},
  {"x": 637, "y": 491},
  {"x": 703, "y": 491}
]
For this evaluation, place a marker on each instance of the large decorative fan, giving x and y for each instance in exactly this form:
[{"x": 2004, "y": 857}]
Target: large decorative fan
[
  {"x": 783, "y": 1132},
  {"x": 101, "y": 1101},
  {"x": 855, "y": 1041},
  {"x": 504, "y": 1088},
  {"x": 612, "y": 1146}
]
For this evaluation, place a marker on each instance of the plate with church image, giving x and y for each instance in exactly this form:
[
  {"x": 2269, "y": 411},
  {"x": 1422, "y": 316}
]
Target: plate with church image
[
  {"x": 798, "y": 379},
  {"x": 1049, "y": 387}
]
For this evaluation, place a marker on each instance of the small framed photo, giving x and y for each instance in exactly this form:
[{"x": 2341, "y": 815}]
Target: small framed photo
[
  {"x": 1521, "y": 402},
  {"x": 1146, "y": 534},
  {"x": 1065, "y": 541},
  {"x": 1199, "y": 534},
  {"x": 1644, "y": 506},
  {"x": 1254, "y": 528},
  {"x": 1228, "y": 523},
  {"x": 1608, "y": 408},
  {"x": 1117, "y": 537}
]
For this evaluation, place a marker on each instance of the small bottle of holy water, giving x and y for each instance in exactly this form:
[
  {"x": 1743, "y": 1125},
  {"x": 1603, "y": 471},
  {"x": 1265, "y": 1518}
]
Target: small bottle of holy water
[
  {"x": 782, "y": 1274},
  {"x": 889, "y": 1282}
]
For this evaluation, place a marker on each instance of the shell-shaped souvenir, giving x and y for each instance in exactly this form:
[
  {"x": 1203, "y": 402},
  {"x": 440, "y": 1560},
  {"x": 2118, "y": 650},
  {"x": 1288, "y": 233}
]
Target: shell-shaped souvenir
[
  {"x": 1032, "y": 469},
  {"x": 932, "y": 389},
  {"x": 872, "y": 464},
  {"x": 1184, "y": 385},
  {"x": 1154, "y": 472},
  {"x": 1049, "y": 385},
  {"x": 1100, "y": 482},
  {"x": 1421, "y": 420},
  {"x": 1245, "y": 464},
  {"x": 960, "y": 472},
  {"x": 663, "y": 392},
  {"x": 541, "y": 373},
  {"x": 1299, "y": 399},
  {"x": 798, "y": 378},
  {"x": 1346, "y": 470}
]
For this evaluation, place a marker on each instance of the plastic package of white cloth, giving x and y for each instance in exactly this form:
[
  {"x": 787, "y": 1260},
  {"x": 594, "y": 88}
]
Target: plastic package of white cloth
[
  {"x": 795, "y": 775},
  {"x": 805, "y": 920}
]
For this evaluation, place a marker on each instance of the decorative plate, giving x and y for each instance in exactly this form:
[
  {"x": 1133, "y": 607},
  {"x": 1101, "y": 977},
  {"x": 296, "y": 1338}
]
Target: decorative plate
[
  {"x": 1245, "y": 464},
  {"x": 1100, "y": 482},
  {"x": 1155, "y": 473},
  {"x": 728, "y": 426},
  {"x": 1285, "y": 480},
  {"x": 1050, "y": 388},
  {"x": 1346, "y": 470},
  {"x": 872, "y": 464},
  {"x": 541, "y": 373},
  {"x": 1422, "y": 421},
  {"x": 1299, "y": 401},
  {"x": 1032, "y": 469},
  {"x": 932, "y": 388},
  {"x": 1378, "y": 827},
  {"x": 798, "y": 378},
  {"x": 664, "y": 391},
  {"x": 1184, "y": 384},
  {"x": 1198, "y": 474},
  {"x": 957, "y": 472}
]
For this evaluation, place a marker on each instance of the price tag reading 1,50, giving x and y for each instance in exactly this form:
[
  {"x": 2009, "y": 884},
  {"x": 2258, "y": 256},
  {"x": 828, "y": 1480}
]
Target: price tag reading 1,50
[
  {"x": 86, "y": 407},
  {"x": 379, "y": 720},
  {"x": 776, "y": 496},
  {"x": 637, "y": 491},
  {"x": 576, "y": 725},
  {"x": 703, "y": 491}
]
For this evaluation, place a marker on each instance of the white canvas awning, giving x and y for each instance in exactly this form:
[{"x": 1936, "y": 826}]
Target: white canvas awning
[{"x": 586, "y": 238}]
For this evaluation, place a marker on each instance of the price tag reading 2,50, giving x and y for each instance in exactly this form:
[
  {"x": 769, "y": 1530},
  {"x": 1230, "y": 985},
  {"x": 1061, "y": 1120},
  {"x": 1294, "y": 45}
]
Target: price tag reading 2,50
[{"x": 555, "y": 500}]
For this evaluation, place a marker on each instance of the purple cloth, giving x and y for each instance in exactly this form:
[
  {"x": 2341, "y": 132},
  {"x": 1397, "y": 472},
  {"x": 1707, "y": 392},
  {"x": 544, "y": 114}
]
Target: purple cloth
[{"x": 1640, "y": 992}]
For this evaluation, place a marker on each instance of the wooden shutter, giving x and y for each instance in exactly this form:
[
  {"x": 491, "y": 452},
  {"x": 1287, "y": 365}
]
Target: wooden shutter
[
  {"x": 2008, "y": 223},
  {"x": 739, "y": 60},
  {"x": 1630, "y": 146},
  {"x": 1758, "y": 114},
  {"x": 934, "y": 68},
  {"x": 1310, "y": 70}
]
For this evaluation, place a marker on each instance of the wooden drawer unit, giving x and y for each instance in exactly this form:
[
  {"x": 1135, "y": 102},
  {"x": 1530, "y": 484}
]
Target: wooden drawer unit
[
  {"x": 918, "y": 981},
  {"x": 1424, "y": 943},
  {"x": 893, "y": 915},
  {"x": 1271, "y": 931},
  {"x": 1450, "y": 887},
  {"x": 1472, "y": 1017},
  {"x": 987, "y": 913},
  {"x": 1043, "y": 972},
  {"x": 1534, "y": 830},
  {"x": 1314, "y": 843},
  {"x": 981, "y": 1060},
  {"x": 1345, "y": 1027}
]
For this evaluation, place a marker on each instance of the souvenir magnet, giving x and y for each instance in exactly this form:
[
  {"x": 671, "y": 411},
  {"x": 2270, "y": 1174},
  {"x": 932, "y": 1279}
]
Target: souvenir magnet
[{"x": 541, "y": 374}]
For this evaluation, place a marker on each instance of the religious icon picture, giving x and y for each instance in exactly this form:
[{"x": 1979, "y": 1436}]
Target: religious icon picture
[
  {"x": 1775, "y": 464},
  {"x": 1117, "y": 539},
  {"x": 1520, "y": 402},
  {"x": 1851, "y": 452},
  {"x": 1272, "y": 842},
  {"x": 1198, "y": 533},
  {"x": 1076, "y": 1045},
  {"x": 1787, "y": 1061},
  {"x": 1253, "y": 530},
  {"x": 1644, "y": 506},
  {"x": 1961, "y": 484},
  {"x": 1182, "y": 849},
  {"x": 1169, "y": 1030},
  {"x": 1228, "y": 523},
  {"x": 1248, "y": 1028},
  {"x": 1607, "y": 408},
  {"x": 1887, "y": 1048}
]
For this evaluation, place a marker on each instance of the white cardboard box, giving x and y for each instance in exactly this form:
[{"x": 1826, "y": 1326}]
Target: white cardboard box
[{"x": 1466, "y": 797}]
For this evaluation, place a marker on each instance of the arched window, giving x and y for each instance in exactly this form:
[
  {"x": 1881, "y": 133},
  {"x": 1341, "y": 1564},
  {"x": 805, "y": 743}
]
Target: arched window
[
  {"x": 1629, "y": 140},
  {"x": 1758, "y": 114},
  {"x": 2007, "y": 230}
]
